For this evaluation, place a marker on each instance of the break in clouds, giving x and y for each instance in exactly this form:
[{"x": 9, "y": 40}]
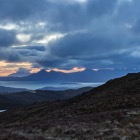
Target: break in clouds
[{"x": 71, "y": 33}]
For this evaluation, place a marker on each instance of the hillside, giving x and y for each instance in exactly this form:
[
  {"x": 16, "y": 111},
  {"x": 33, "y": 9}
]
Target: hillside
[
  {"x": 12, "y": 100},
  {"x": 110, "y": 112},
  {"x": 10, "y": 89}
]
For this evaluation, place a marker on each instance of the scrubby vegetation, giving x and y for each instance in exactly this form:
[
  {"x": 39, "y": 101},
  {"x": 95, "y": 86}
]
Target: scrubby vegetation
[{"x": 108, "y": 112}]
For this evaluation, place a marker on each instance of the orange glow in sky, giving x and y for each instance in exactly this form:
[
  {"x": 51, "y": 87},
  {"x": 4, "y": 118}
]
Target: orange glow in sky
[
  {"x": 34, "y": 70},
  {"x": 10, "y": 68},
  {"x": 76, "y": 69}
]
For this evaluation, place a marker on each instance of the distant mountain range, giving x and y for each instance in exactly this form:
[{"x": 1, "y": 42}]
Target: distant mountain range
[
  {"x": 54, "y": 88},
  {"x": 12, "y": 100},
  {"x": 87, "y": 75},
  {"x": 10, "y": 89}
]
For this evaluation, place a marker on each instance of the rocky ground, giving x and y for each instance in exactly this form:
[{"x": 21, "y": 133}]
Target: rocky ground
[{"x": 115, "y": 125}]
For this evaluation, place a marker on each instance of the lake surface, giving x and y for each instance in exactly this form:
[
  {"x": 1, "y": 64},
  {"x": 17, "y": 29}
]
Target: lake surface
[
  {"x": 2, "y": 111},
  {"x": 40, "y": 84}
]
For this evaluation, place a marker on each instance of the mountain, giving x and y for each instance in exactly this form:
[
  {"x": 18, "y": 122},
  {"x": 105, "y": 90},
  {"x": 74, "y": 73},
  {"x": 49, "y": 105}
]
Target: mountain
[
  {"x": 65, "y": 88},
  {"x": 23, "y": 98},
  {"x": 21, "y": 72},
  {"x": 10, "y": 89},
  {"x": 87, "y": 75},
  {"x": 109, "y": 112},
  {"x": 8, "y": 103},
  {"x": 53, "y": 88}
]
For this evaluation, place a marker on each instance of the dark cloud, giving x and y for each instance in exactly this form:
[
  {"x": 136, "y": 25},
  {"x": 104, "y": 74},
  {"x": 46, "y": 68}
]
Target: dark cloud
[
  {"x": 9, "y": 55},
  {"x": 20, "y": 10},
  {"x": 97, "y": 33},
  {"x": 31, "y": 48},
  {"x": 84, "y": 44},
  {"x": 136, "y": 27},
  {"x": 90, "y": 50},
  {"x": 101, "y": 7},
  {"x": 7, "y": 38},
  {"x": 68, "y": 16},
  {"x": 62, "y": 15}
]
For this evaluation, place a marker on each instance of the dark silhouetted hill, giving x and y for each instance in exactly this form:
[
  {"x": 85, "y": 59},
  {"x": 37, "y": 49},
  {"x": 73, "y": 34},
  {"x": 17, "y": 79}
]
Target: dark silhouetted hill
[
  {"x": 12, "y": 100},
  {"x": 10, "y": 89}
]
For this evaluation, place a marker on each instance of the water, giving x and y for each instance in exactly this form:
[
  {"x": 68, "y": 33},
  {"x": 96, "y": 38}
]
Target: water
[
  {"x": 41, "y": 84},
  {"x": 2, "y": 111}
]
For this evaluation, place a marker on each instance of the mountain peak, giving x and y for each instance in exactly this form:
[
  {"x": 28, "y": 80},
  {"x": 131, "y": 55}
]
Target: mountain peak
[
  {"x": 21, "y": 72},
  {"x": 42, "y": 71},
  {"x": 88, "y": 70},
  {"x": 52, "y": 71}
]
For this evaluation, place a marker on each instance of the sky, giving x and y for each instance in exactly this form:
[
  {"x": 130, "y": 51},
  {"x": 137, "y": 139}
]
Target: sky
[{"x": 69, "y": 35}]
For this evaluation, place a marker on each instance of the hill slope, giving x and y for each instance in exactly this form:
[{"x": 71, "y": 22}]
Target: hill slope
[
  {"x": 12, "y": 100},
  {"x": 11, "y": 90},
  {"x": 110, "y": 111}
]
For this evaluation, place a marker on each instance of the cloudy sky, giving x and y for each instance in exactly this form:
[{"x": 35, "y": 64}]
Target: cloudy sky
[{"x": 69, "y": 34}]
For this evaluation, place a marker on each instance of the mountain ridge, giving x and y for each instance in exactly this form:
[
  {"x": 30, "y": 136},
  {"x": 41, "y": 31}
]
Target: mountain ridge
[
  {"x": 24, "y": 98},
  {"x": 4, "y": 89},
  {"x": 87, "y": 75}
]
